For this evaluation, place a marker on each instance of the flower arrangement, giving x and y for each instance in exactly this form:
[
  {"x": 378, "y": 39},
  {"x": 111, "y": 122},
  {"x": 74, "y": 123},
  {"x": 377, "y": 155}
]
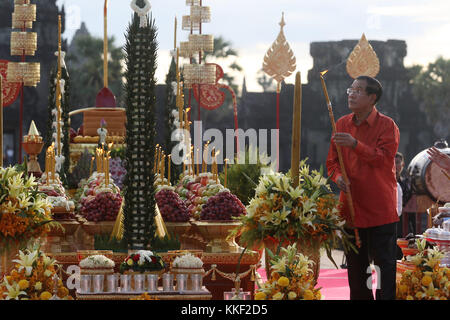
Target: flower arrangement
[
  {"x": 188, "y": 261},
  {"x": 97, "y": 261},
  {"x": 291, "y": 278},
  {"x": 25, "y": 213},
  {"x": 142, "y": 261},
  {"x": 428, "y": 281},
  {"x": 284, "y": 213},
  {"x": 32, "y": 278}
]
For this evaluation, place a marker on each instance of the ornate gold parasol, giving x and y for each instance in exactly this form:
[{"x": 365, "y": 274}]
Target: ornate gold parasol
[
  {"x": 363, "y": 60},
  {"x": 23, "y": 43}
]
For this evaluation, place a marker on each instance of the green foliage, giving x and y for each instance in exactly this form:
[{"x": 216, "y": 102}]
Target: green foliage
[
  {"x": 224, "y": 52},
  {"x": 80, "y": 171},
  {"x": 431, "y": 85},
  {"x": 118, "y": 153},
  {"x": 241, "y": 178},
  {"x": 169, "y": 242},
  {"x": 104, "y": 242},
  {"x": 86, "y": 57}
]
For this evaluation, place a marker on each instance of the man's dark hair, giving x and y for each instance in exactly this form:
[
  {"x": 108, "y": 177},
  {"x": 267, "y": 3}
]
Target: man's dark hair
[{"x": 373, "y": 86}]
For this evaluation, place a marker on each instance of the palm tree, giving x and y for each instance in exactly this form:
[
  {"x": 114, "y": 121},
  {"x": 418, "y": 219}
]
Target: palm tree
[{"x": 86, "y": 58}]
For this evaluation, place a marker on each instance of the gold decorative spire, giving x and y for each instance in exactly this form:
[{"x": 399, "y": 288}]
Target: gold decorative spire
[
  {"x": 279, "y": 61},
  {"x": 363, "y": 60},
  {"x": 33, "y": 131}
]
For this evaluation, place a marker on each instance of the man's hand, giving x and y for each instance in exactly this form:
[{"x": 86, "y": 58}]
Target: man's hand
[
  {"x": 440, "y": 158},
  {"x": 342, "y": 185},
  {"x": 344, "y": 139}
]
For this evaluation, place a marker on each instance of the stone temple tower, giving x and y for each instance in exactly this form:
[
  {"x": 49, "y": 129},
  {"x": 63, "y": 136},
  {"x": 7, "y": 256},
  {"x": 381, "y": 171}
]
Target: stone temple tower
[{"x": 35, "y": 98}]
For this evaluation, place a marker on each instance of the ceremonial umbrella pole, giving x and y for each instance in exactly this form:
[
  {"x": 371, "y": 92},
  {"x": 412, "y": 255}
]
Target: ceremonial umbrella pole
[
  {"x": 1, "y": 120},
  {"x": 58, "y": 92},
  {"x": 105, "y": 97},
  {"x": 341, "y": 161},
  {"x": 296, "y": 131}
]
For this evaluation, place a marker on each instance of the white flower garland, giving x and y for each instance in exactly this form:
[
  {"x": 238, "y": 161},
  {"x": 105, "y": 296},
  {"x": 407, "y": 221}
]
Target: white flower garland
[
  {"x": 142, "y": 12},
  {"x": 96, "y": 261},
  {"x": 188, "y": 261}
]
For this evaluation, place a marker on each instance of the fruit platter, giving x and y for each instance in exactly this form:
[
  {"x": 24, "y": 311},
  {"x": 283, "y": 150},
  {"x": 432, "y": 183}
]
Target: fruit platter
[
  {"x": 195, "y": 191},
  {"x": 98, "y": 206},
  {"x": 98, "y": 201},
  {"x": 62, "y": 206}
]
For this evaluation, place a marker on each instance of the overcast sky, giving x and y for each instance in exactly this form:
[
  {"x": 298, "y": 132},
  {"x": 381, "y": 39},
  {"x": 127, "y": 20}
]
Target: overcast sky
[{"x": 252, "y": 26}]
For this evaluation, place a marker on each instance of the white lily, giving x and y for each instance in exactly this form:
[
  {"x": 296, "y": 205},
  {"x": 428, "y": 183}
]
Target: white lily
[
  {"x": 295, "y": 193},
  {"x": 15, "y": 186},
  {"x": 13, "y": 291},
  {"x": 26, "y": 261},
  {"x": 279, "y": 216},
  {"x": 280, "y": 265},
  {"x": 309, "y": 206},
  {"x": 47, "y": 261}
]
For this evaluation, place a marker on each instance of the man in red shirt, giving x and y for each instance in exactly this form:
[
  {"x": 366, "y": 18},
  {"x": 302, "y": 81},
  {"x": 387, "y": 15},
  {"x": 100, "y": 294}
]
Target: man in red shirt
[{"x": 368, "y": 142}]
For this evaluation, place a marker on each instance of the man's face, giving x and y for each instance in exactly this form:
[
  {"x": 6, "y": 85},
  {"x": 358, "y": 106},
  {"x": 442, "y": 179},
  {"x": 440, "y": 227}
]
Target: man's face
[
  {"x": 358, "y": 99},
  {"x": 398, "y": 165}
]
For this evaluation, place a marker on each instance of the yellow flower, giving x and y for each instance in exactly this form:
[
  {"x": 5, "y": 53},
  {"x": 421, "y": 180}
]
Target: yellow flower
[
  {"x": 318, "y": 295},
  {"x": 308, "y": 295},
  {"x": 283, "y": 282},
  {"x": 426, "y": 280},
  {"x": 409, "y": 297},
  {"x": 130, "y": 262},
  {"x": 403, "y": 288},
  {"x": 278, "y": 296},
  {"x": 23, "y": 284},
  {"x": 62, "y": 292},
  {"x": 292, "y": 295},
  {"x": 260, "y": 296},
  {"x": 45, "y": 295},
  {"x": 38, "y": 286}
]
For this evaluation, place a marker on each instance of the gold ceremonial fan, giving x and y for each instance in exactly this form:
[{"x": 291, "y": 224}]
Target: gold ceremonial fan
[
  {"x": 279, "y": 61},
  {"x": 363, "y": 60}
]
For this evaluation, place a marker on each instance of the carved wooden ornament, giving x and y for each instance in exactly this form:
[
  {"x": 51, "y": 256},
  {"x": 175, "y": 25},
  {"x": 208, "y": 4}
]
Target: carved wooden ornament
[
  {"x": 363, "y": 60},
  {"x": 279, "y": 61}
]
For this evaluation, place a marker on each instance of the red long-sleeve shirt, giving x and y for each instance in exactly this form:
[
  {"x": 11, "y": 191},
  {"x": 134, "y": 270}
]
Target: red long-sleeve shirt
[{"x": 370, "y": 168}]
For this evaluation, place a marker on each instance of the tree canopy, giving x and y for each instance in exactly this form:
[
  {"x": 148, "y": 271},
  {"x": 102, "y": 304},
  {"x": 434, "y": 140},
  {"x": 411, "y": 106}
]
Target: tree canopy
[{"x": 431, "y": 86}]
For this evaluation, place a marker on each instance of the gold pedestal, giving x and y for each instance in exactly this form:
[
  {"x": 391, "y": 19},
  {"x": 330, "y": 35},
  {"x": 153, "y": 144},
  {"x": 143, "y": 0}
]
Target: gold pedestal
[
  {"x": 216, "y": 233},
  {"x": 96, "y": 228},
  {"x": 33, "y": 149},
  {"x": 61, "y": 240}
]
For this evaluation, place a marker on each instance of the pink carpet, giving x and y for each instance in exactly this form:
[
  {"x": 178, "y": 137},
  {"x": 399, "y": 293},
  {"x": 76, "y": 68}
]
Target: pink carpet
[{"x": 333, "y": 283}]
